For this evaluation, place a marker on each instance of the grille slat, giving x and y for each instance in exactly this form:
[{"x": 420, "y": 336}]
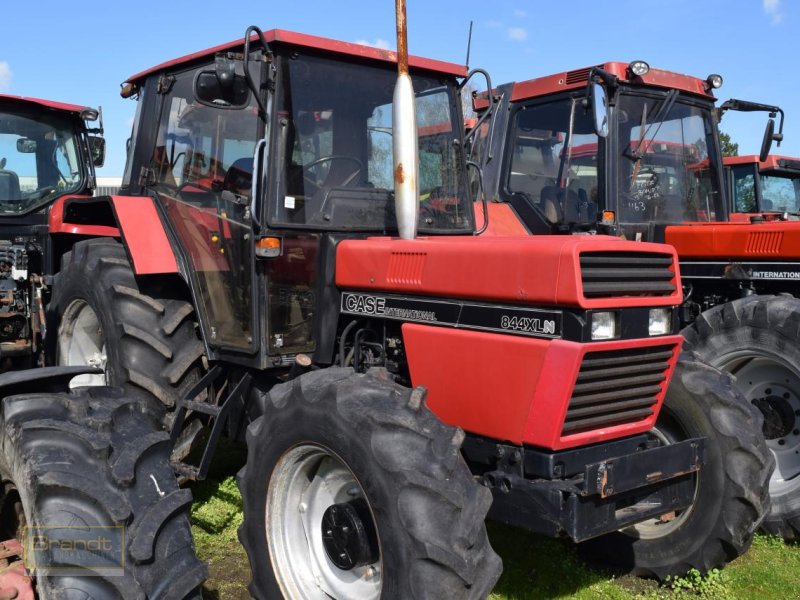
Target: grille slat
[
  {"x": 610, "y": 274},
  {"x": 648, "y": 390},
  {"x": 617, "y": 386},
  {"x": 633, "y": 415},
  {"x": 609, "y": 408}
]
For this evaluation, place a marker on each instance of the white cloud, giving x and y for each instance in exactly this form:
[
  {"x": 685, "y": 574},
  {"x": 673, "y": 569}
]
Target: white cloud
[
  {"x": 378, "y": 43},
  {"x": 517, "y": 34},
  {"x": 5, "y": 76},
  {"x": 773, "y": 10},
  {"x": 520, "y": 13}
]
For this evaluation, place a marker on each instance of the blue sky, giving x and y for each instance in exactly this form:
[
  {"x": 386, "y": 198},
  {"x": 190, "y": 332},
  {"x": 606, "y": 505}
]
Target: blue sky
[{"x": 82, "y": 52}]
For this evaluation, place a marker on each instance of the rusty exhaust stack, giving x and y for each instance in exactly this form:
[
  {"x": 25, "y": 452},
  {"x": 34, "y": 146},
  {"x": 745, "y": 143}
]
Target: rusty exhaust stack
[{"x": 404, "y": 137}]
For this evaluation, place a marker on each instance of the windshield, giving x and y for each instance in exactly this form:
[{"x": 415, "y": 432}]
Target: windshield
[
  {"x": 778, "y": 192},
  {"x": 554, "y": 162},
  {"x": 39, "y": 159},
  {"x": 335, "y": 141},
  {"x": 667, "y": 161}
]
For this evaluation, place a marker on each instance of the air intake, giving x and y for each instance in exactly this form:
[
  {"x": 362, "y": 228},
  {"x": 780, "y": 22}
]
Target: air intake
[{"x": 612, "y": 274}]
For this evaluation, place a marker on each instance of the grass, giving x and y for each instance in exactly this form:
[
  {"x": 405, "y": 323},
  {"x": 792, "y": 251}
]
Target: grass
[{"x": 535, "y": 567}]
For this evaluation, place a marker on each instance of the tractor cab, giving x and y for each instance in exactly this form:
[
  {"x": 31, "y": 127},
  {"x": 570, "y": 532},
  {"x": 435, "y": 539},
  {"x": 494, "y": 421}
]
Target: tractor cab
[
  {"x": 257, "y": 155},
  {"x": 47, "y": 150},
  {"x": 616, "y": 148},
  {"x": 763, "y": 187}
]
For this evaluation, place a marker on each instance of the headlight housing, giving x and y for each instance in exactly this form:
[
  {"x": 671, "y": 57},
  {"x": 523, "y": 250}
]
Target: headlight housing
[
  {"x": 659, "y": 321},
  {"x": 604, "y": 325}
]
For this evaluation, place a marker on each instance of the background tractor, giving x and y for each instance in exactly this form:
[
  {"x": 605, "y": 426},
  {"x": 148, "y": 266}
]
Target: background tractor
[
  {"x": 765, "y": 187},
  {"x": 633, "y": 151}
]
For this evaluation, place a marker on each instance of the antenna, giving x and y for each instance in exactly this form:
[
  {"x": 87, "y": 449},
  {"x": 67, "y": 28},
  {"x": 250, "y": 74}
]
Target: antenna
[{"x": 469, "y": 44}]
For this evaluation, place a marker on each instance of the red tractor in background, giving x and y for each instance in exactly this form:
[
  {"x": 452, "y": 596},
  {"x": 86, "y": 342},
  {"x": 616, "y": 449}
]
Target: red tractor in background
[
  {"x": 253, "y": 285},
  {"x": 632, "y": 151},
  {"x": 765, "y": 187},
  {"x": 48, "y": 153}
]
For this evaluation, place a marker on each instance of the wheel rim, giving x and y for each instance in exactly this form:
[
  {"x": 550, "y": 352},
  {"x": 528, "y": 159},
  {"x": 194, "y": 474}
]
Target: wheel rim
[
  {"x": 310, "y": 490},
  {"x": 773, "y": 386},
  {"x": 667, "y": 432},
  {"x": 81, "y": 343}
]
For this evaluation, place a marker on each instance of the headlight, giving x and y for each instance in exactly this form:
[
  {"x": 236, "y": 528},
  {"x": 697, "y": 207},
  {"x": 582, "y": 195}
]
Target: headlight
[
  {"x": 639, "y": 68},
  {"x": 604, "y": 325},
  {"x": 660, "y": 319}
]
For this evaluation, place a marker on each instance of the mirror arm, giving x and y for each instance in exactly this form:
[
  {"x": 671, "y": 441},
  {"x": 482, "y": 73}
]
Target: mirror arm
[{"x": 250, "y": 83}]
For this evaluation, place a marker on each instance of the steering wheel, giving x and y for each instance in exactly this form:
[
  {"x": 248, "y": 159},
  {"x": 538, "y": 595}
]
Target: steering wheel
[
  {"x": 333, "y": 158},
  {"x": 317, "y": 215}
]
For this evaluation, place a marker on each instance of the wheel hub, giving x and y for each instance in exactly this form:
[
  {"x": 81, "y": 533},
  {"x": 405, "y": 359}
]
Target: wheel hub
[
  {"x": 779, "y": 417},
  {"x": 348, "y": 535}
]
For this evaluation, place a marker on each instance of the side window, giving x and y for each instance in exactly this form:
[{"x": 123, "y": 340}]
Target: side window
[{"x": 744, "y": 189}]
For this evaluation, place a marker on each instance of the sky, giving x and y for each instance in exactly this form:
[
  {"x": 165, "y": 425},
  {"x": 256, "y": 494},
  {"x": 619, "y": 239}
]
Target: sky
[{"x": 82, "y": 52}]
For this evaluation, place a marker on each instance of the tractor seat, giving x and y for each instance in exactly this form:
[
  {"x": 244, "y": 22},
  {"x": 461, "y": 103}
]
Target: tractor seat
[
  {"x": 239, "y": 177},
  {"x": 9, "y": 186}
]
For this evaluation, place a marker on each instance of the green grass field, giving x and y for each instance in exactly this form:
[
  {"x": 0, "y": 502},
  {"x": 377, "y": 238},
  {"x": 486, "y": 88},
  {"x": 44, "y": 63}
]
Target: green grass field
[{"x": 535, "y": 567}]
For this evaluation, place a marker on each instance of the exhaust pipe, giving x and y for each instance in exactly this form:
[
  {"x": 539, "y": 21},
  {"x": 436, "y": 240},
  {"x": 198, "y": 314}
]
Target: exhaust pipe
[{"x": 404, "y": 137}]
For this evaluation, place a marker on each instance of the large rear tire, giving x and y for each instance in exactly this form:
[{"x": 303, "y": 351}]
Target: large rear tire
[
  {"x": 731, "y": 496},
  {"x": 83, "y": 466},
  {"x": 353, "y": 489},
  {"x": 756, "y": 340},
  {"x": 99, "y": 316}
]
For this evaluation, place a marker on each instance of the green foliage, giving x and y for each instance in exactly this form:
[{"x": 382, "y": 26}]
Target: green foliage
[{"x": 728, "y": 147}]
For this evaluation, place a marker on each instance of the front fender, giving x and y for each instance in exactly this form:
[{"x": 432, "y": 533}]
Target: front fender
[{"x": 133, "y": 218}]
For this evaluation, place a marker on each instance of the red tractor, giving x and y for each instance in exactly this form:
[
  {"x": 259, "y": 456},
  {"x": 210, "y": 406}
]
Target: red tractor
[
  {"x": 765, "y": 187},
  {"x": 252, "y": 283},
  {"x": 88, "y": 495},
  {"x": 632, "y": 151}
]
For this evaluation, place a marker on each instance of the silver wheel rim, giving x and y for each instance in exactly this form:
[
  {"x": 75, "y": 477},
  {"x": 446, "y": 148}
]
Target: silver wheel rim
[
  {"x": 306, "y": 481},
  {"x": 81, "y": 343},
  {"x": 770, "y": 382},
  {"x": 665, "y": 525}
]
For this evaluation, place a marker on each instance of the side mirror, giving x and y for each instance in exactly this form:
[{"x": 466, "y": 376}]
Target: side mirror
[
  {"x": 599, "y": 105},
  {"x": 221, "y": 88},
  {"x": 97, "y": 148},
  {"x": 766, "y": 143},
  {"x": 26, "y": 145}
]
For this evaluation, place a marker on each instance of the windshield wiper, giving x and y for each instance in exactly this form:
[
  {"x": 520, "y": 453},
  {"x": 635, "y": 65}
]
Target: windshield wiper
[{"x": 663, "y": 111}]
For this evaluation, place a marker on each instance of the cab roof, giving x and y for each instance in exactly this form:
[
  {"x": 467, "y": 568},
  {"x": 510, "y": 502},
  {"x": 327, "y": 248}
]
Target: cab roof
[
  {"x": 281, "y": 36},
  {"x": 774, "y": 161},
  {"x": 577, "y": 78},
  {"x": 60, "y": 106}
]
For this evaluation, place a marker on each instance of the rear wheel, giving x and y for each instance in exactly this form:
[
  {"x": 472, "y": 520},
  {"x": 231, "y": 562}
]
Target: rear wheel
[
  {"x": 353, "y": 489},
  {"x": 731, "y": 497},
  {"x": 756, "y": 340},
  {"x": 91, "y": 467},
  {"x": 98, "y": 316}
]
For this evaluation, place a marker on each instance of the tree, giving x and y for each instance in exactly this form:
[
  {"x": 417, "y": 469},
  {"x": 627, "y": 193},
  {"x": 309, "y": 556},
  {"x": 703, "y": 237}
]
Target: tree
[{"x": 729, "y": 148}]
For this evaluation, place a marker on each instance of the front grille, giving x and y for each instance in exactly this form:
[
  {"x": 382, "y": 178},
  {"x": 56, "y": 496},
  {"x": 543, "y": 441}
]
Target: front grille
[
  {"x": 613, "y": 274},
  {"x": 617, "y": 386},
  {"x": 764, "y": 242}
]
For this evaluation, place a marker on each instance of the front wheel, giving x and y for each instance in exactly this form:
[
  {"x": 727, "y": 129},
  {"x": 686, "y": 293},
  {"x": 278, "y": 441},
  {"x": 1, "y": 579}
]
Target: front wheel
[
  {"x": 88, "y": 486},
  {"x": 731, "y": 496},
  {"x": 353, "y": 489},
  {"x": 755, "y": 339}
]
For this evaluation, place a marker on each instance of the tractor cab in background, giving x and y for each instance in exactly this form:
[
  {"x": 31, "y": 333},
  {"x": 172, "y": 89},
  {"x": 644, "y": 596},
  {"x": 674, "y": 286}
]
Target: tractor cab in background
[{"x": 48, "y": 154}]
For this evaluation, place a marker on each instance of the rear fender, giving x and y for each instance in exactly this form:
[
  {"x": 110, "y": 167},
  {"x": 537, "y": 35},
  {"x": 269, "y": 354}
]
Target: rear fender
[{"x": 134, "y": 219}]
